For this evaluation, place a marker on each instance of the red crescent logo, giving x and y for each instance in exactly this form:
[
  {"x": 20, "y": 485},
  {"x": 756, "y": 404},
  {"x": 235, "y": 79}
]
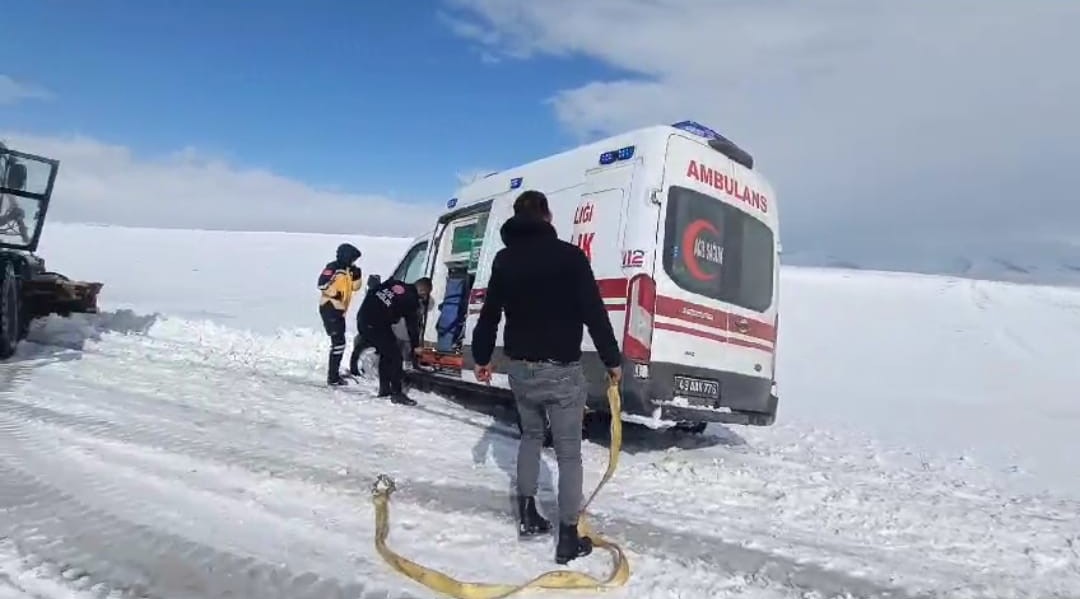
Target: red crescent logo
[{"x": 689, "y": 235}]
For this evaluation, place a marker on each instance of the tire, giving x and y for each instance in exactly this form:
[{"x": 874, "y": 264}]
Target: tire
[
  {"x": 693, "y": 428},
  {"x": 549, "y": 441},
  {"x": 9, "y": 311}
]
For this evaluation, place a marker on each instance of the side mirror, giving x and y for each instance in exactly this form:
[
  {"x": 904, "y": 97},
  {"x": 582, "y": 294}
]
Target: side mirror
[{"x": 16, "y": 176}]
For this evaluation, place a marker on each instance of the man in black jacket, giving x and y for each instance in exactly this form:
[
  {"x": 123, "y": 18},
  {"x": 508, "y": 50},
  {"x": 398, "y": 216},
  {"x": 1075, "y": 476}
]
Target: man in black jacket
[
  {"x": 391, "y": 301},
  {"x": 547, "y": 289}
]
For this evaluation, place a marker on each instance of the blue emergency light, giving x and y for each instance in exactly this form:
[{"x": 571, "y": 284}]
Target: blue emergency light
[
  {"x": 717, "y": 142},
  {"x": 616, "y": 155},
  {"x": 697, "y": 129},
  {"x": 515, "y": 183},
  {"x": 451, "y": 202}
]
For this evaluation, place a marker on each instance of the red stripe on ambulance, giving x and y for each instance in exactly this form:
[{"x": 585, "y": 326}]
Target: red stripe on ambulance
[
  {"x": 677, "y": 309},
  {"x": 614, "y": 290},
  {"x": 665, "y": 326}
]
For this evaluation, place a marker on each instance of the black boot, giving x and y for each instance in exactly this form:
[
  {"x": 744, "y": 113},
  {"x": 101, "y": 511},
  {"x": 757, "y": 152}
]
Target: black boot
[
  {"x": 530, "y": 522},
  {"x": 401, "y": 399},
  {"x": 571, "y": 546},
  {"x": 333, "y": 371},
  {"x": 384, "y": 387},
  {"x": 354, "y": 363}
]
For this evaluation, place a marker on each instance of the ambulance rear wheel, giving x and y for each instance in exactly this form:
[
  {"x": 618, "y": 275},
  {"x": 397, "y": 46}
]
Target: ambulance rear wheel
[
  {"x": 549, "y": 440},
  {"x": 694, "y": 428},
  {"x": 596, "y": 425}
]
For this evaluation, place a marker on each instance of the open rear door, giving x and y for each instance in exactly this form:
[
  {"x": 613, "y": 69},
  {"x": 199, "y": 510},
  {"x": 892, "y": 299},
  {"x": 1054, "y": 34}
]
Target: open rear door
[{"x": 502, "y": 208}]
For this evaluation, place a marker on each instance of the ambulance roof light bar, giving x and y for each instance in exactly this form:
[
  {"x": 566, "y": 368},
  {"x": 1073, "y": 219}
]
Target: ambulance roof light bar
[{"x": 717, "y": 142}]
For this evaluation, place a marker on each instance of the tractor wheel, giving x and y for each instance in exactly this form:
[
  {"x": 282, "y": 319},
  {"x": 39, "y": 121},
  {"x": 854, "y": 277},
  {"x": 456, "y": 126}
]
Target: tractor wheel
[{"x": 9, "y": 311}]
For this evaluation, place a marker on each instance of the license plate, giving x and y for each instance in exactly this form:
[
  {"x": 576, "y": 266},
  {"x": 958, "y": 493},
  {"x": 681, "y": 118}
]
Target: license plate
[{"x": 694, "y": 387}]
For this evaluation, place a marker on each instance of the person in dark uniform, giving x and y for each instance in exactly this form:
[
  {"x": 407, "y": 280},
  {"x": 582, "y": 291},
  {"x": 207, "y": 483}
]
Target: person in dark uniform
[
  {"x": 338, "y": 281},
  {"x": 391, "y": 301},
  {"x": 360, "y": 343}
]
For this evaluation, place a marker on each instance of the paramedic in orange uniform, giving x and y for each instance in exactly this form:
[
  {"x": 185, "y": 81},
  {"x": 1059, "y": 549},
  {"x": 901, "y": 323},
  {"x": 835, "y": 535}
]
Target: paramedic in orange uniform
[{"x": 338, "y": 281}]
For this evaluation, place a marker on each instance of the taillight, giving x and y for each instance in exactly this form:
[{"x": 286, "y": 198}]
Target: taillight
[
  {"x": 776, "y": 338},
  {"x": 640, "y": 307}
]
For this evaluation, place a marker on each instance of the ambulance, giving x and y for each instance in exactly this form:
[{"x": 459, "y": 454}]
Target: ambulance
[{"x": 682, "y": 234}]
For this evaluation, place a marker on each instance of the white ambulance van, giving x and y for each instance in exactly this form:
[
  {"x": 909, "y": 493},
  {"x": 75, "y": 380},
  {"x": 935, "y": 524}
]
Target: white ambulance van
[{"x": 683, "y": 238}]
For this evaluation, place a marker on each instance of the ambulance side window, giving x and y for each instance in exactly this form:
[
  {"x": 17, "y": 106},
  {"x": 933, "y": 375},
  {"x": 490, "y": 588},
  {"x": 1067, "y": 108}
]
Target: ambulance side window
[{"x": 412, "y": 267}]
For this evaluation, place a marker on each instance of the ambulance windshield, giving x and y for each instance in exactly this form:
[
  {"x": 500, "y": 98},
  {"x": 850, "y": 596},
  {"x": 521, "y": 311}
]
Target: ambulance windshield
[{"x": 717, "y": 250}]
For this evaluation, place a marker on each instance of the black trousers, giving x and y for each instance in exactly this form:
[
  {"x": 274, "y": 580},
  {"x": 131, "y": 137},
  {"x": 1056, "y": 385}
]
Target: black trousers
[
  {"x": 334, "y": 322},
  {"x": 360, "y": 343},
  {"x": 381, "y": 336}
]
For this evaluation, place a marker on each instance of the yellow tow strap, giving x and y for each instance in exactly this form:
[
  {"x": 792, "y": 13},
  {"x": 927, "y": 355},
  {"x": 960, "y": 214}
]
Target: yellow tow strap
[{"x": 554, "y": 579}]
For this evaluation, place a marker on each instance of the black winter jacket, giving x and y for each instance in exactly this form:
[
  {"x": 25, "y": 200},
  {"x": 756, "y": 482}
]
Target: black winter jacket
[
  {"x": 547, "y": 289},
  {"x": 389, "y": 302}
]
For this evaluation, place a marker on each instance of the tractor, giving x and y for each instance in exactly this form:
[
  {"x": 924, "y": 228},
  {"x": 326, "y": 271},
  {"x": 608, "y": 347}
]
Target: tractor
[{"x": 27, "y": 290}]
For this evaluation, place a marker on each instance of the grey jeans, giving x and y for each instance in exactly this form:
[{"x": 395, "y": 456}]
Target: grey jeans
[{"x": 559, "y": 391}]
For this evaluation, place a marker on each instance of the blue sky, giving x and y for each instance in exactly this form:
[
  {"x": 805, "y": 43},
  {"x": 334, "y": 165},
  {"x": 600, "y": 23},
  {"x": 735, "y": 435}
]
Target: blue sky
[{"x": 379, "y": 97}]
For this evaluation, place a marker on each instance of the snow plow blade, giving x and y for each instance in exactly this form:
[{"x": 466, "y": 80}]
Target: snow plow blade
[{"x": 53, "y": 293}]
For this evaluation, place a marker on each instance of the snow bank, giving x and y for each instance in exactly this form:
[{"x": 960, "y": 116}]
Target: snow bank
[
  {"x": 249, "y": 280},
  {"x": 978, "y": 371},
  {"x": 73, "y": 332},
  {"x": 952, "y": 368}
]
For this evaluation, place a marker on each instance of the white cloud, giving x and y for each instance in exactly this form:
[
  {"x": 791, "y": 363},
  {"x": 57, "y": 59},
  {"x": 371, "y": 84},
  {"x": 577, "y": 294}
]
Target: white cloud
[
  {"x": 105, "y": 183},
  {"x": 13, "y": 91},
  {"x": 885, "y": 125}
]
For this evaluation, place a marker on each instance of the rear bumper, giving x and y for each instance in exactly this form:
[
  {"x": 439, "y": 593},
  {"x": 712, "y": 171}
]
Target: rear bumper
[
  {"x": 742, "y": 399},
  {"x": 684, "y": 413},
  {"x": 652, "y": 400}
]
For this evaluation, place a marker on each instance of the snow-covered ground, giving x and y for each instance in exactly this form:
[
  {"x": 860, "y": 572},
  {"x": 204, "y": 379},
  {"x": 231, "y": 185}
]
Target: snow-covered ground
[{"x": 180, "y": 445}]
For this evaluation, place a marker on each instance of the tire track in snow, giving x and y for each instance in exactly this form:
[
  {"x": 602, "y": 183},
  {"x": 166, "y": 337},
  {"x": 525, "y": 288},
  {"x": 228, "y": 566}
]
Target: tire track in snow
[
  {"x": 228, "y": 427},
  {"x": 639, "y": 536},
  {"x": 94, "y": 548},
  {"x": 169, "y": 353},
  {"x": 174, "y": 354}
]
